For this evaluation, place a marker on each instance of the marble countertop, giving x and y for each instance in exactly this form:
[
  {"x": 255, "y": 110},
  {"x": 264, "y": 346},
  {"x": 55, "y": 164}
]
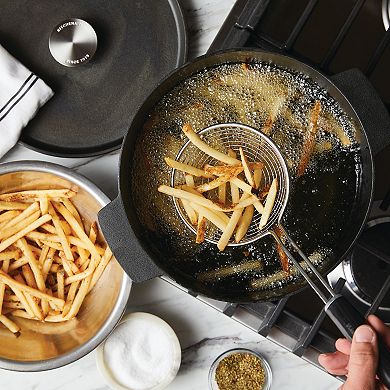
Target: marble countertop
[{"x": 204, "y": 333}]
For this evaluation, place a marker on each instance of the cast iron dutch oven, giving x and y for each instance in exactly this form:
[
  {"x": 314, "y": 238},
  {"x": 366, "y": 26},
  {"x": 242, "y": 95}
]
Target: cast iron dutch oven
[{"x": 326, "y": 212}]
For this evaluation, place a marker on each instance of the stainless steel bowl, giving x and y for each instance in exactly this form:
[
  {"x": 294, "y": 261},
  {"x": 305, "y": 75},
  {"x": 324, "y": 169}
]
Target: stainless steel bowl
[{"x": 44, "y": 346}]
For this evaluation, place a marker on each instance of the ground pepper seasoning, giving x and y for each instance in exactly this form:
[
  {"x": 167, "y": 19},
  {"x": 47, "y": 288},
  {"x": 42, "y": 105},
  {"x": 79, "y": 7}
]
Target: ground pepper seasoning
[{"x": 240, "y": 371}]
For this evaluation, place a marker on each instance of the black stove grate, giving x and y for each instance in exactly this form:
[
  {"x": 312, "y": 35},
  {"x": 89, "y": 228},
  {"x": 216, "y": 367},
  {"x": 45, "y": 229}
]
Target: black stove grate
[{"x": 248, "y": 26}]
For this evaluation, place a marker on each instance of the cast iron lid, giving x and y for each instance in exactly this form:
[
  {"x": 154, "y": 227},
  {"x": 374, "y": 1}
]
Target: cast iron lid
[{"x": 138, "y": 43}]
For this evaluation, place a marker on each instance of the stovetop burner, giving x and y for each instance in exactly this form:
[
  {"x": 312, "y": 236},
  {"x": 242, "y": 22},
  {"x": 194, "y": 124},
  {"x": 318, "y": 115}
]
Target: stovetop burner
[{"x": 368, "y": 266}]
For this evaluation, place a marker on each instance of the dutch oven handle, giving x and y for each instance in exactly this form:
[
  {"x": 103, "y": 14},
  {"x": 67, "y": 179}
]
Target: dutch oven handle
[
  {"x": 368, "y": 105},
  {"x": 124, "y": 244}
]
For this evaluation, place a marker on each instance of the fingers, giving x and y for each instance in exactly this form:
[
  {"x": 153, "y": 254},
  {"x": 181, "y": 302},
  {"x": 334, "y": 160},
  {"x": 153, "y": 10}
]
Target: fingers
[
  {"x": 335, "y": 363},
  {"x": 380, "y": 327},
  {"x": 344, "y": 346},
  {"x": 363, "y": 360}
]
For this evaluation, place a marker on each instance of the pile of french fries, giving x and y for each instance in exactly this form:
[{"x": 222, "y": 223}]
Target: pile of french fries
[
  {"x": 49, "y": 262},
  {"x": 232, "y": 219}
]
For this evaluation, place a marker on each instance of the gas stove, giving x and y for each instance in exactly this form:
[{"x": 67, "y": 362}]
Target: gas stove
[{"x": 356, "y": 36}]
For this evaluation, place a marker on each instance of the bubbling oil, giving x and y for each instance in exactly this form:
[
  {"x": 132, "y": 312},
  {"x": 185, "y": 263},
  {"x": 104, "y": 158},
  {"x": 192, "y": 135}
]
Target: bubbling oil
[{"x": 250, "y": 93}]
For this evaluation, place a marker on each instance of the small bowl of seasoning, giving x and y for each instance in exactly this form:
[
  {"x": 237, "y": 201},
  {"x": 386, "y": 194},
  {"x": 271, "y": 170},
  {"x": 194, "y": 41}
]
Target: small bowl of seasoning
[
  {"x": 240, "y": 369},
  {"x": 142, "y": 353}
]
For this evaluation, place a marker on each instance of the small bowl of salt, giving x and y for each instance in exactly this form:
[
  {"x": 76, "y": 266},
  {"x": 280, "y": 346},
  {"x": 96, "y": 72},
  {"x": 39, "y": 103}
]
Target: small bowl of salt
[{"x": 142, "y": 353}]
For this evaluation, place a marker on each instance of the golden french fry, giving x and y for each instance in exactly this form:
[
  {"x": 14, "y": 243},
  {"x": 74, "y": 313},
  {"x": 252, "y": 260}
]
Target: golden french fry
[
  {"x": 79, "y": 298},
  {"x": 78, "y": 229},
  {"x": 49, "y": 228},
  {"x": 72, "y": 209},
  {"x": 93, "y": 232},
  {"x": 34, "y": 249},
  {"x": 70, "y": 297},
  {"x": 213, "y": 184},
  {"x": 232, "y": 153},
  {"x": 190, "y": 181},
  {"x": 193, "y": 198},
  {"x": 77, "y": 277},
  {"x": 14, "y": 328},
  {"x": 97, "y": 273},
  {"x": 228, "y": 232},
  {"x": 218, "y": 181},
  {"x": 222, "y": 193},
  {"x": 50, "y": 239},
  {"x": 48, "y": 262},
  {"x": 45, "y": 307},
  {"x": 221, "y": 215},
  {"x": 9, "y": 241},
  {"x": 66, "y": 264},
  {"x": 235, "y": 193},
  {"x": 21, "y": 217},
  {"x": 60, "y": 233},
  {"x": 32, "y": 302},
  {"x": 10, "y": 255},
  {"x": 15, "y": 285},
  {"x": 10, "y": 231},
  {"x": 55, "y": 268},
  {"x": 44, "y": 205},
  {"x": 191, "y": 213},
  {"x": 221, "y": 170},
  {"x": 248, "y": 189},
  {"x": 310, "y": 139},
  {"x": 18, "y": 263},
  {"x": 257, "y": 176},
  {"x": 210, "y": 215},
  {"x": 60, "y": 284},
  {"x": 22, "y": 244},
  {"x": 36, "y": 195},
  {"x": 244, "y": 223},
  {"x": 22, "y": 298},
  {"x": 5, "y": 268},
  {"x": 12, "y": 205},
  {"x": 195, "y": 139},
  {"x": 8, "y": 215},
  {"x": 85, "y": 265},
  {"x": 269, "y": 203},
  {"x": 66, "y": 228},
  {"x": 73, "y": 266},
  {"x": 229, "y": 270},
  {"x": 43, "y": 255},
  {"x": 55, "y": 318},
  {"x": 55, "y": 245},
  {"x": 187, "y": 168},
  {"x": 247, "y": 171},
  {"x": 201, "y": 229},
  {"x": 29, "y": 276}
]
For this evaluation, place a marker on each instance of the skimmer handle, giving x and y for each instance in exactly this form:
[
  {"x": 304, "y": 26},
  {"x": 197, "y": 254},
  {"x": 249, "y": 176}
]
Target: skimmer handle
[
  {"x": 339, "y": 310},
  {"x": 348, "y": 319}
]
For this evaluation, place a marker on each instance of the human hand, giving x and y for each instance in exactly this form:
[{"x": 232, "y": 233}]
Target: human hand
[{"x": 358, "y": 359}]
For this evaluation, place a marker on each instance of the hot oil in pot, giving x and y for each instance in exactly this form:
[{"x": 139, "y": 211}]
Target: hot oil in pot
[{"x": 320, "y": 200}]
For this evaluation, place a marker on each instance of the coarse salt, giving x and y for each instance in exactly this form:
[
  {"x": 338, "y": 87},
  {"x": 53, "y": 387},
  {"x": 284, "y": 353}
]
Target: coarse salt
[{"x": 140, "y": 354}]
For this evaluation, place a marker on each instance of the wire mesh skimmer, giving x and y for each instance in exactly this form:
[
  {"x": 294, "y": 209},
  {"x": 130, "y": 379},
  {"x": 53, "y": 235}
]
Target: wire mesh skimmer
[{"x": 258, "y": 147}]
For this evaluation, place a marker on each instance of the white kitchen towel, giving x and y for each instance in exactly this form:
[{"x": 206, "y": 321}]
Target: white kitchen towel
[{"x": 22, "y": 93}]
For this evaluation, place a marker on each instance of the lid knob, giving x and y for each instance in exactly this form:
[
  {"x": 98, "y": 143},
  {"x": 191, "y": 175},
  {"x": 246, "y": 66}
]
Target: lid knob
[{"x": 73, "y": 42}]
